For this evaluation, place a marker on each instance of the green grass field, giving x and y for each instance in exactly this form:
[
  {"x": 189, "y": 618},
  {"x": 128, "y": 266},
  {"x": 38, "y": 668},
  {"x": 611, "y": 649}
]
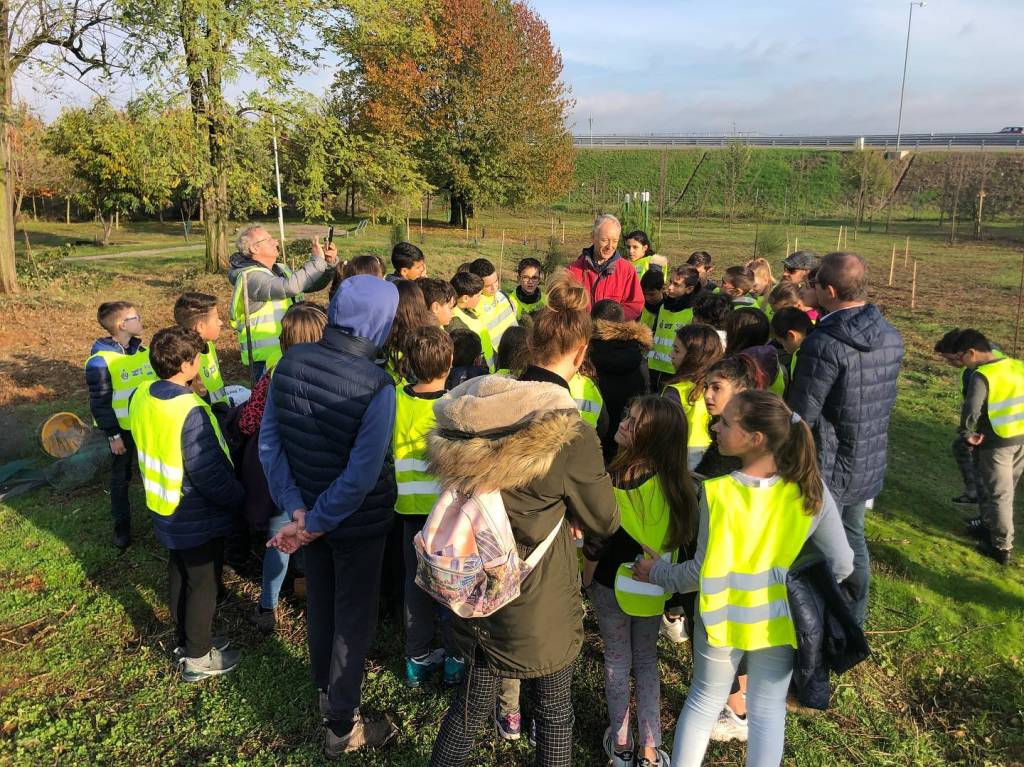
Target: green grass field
[{"x": 85, "y": 674}]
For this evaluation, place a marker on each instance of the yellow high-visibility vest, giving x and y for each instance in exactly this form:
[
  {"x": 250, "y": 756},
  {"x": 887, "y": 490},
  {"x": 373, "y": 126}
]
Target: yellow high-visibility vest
[
  {"x": 157, "y": 433},
  {"x": 698, "y": 421},
  {"x": 127, "y": 373},
  {"x": 644, "y": 515},
  {"x": 588, "y": 398},
  {"x": 209, "y": 374},
  {"x": 498, "y": 314},
  {"x": 754, "y": 535},
  {"x": 414, "y": 418},
  {"x": 660, "y": 357},
  {"x": 264, "y": 322},
  {"x": 1005, "y": 396},
  {"x": 641, "y": 265},
  {"x": 474, "y": 323},
  {"x": 522, "y": 308},
  {"x": 648, "y": 318}
]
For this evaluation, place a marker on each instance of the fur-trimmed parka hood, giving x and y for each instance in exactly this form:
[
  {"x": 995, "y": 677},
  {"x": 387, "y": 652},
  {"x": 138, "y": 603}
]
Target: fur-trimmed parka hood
[
  {"x": 497, "y": 433},
  {"x": 606, "y": 330}
]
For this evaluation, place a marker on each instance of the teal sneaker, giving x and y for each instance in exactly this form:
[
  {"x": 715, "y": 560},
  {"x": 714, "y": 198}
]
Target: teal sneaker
[
  {"x": 454, "y": 671},
  {"x": 417, "y": 670}
]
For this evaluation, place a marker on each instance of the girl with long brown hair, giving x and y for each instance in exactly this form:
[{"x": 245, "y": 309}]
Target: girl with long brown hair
[
  {"x": 694, "y": 349},
  {"x": 658, "y": 509},
  {"x": 753, "y": 525},
  {"x": 412, "y": 313}
]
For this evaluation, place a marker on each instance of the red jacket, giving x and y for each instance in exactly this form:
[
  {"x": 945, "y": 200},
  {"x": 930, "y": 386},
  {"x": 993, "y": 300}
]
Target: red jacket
[{"x": 617, "y": 281}]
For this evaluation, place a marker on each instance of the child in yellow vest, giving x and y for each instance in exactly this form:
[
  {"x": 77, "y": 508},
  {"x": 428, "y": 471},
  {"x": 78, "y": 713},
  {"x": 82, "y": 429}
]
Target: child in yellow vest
[
  {"x": 681, "y": 290},
  {"x": 658, "y": 509},
  {"x": 514, "y": 351},
  {"x": 528, "y": 296},
  {"x": 753, "y": 525},
  {"x": 738, "y": 283},
  {"x": 641, "y": 254},
  {"x": 429, "y": 356},
  {"x": 198, "y": 312},
  {"x": 790, "y": 327},
  {"x": 439, "y": 296},
  {"x": 468, "y": 295},
  {"x": 116, "y": 366},
  {"x": 694, "y": 350},
  {"x": 192, "y": 493}
]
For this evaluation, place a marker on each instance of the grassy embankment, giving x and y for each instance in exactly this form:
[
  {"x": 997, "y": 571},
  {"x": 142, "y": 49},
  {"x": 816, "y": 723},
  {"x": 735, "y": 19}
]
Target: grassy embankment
[{"x": 84, "y": 669}]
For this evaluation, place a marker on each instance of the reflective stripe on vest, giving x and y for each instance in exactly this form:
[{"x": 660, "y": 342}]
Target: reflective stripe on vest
[
  {"x": 1005, "y": 396},
  {"x": 660, "y": 357},
  {"x": 127, "y": 373},
  {"x": 698, "y": 421},
  {"x": 475, "y": 324},
  {"x": 588, "y": 398},
  {"x": 209, "y": 374},
  {"x": 414, "y": 418},
  {"x": 264, "y": 321},
  {"x": 498, "y": 315},
  {"x": 158, "y": 424},
  {"x": 522, "y": 307},
  {"x": 754, "y": 535},
  {"x": 644, "y": 514}
]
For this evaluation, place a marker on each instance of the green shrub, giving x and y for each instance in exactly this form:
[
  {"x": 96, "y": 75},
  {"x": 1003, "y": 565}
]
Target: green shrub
[{"x": 47, "y": 268}]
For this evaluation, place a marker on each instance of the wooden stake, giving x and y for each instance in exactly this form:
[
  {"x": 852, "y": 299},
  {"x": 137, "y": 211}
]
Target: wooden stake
[
  {"x": 839, "y": 239},
  {"x": 892, "y": 263},
  {"x": 467, "y": 228},
  {"x": 913, "y": 287},
  {"x": 1020, "y": 296},
  {"x": 421, "y": 217},
  {"x": 787, "y": 246},
  {"x": 563, "y": 233},
  {"x": 501, "y": 255},
  {"x": 906, "y": 252},
  {"x": 796, "y": 244},
  {"x": 846, "y": 238}
]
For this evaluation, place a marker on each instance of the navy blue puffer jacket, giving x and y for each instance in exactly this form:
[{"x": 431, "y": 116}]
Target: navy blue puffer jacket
[{"x": 844, "y": 386}]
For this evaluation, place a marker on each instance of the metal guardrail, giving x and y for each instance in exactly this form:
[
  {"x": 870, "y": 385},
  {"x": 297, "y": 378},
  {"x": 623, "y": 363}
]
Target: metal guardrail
[{"x": 907, "y": 141}]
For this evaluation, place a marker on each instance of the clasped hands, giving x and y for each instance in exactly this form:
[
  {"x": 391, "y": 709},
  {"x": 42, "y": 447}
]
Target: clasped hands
[{"x": 293, "y": 535}]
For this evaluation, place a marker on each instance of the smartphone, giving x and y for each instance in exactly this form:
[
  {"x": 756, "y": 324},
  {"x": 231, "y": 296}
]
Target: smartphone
[{"x": 330, "y": 235}]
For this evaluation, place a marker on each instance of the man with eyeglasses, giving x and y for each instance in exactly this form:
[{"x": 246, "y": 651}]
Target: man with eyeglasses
[
  {"x": 270, "y": 288},
  {"x": 798, "y": 266}
]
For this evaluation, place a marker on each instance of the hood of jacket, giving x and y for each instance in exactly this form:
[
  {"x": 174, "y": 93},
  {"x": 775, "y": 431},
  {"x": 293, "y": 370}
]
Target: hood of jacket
[
  {"x": 364, "y": 306},
  {"x": 766, "y": 358},
  {"x": 606, "y": 330},
  {"x": 497, "y": 433},
  {"x": 862, "y": 327},
  {"x": 108, "y": 344},
  {"x": 237, "y": 263}
]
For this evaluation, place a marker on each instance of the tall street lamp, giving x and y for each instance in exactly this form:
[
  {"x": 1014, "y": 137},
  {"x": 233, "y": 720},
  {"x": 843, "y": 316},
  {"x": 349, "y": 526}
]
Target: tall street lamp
[{"x": 903, "y": 86}]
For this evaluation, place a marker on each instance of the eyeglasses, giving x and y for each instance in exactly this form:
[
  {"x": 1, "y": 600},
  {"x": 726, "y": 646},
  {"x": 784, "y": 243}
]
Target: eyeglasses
[
  {"x": 260, "y": 242},
  {"x": 531, "y": 279},
  {"x": 131, "y": 318}
]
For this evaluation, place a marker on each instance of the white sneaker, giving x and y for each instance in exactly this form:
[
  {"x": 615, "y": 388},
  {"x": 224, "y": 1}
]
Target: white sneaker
[
  {"x": 662, "y": 760},
  {"x": 729, "y": 727},
  {"x": 618, "y": 756},
  {"x": 673, "y": 630}
]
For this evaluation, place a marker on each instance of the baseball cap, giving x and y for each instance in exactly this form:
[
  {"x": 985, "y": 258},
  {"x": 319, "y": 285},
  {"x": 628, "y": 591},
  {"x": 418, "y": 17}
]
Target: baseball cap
[{"x": 801, "y": 259}]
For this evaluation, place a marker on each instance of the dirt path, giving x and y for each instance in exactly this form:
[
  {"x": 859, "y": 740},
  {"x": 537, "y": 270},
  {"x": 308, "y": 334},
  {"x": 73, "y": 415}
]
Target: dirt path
[{"x": 134, "y": 253}]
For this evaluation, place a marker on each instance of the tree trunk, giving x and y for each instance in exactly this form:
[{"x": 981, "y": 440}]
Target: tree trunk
[
  {"x": 67, "y": 210},
  {"x": 8, "y": 276},
  {"x": 108, "y": 223},
  {"x": 35, "y": 214},
  {"x": 459, "y": 207}
]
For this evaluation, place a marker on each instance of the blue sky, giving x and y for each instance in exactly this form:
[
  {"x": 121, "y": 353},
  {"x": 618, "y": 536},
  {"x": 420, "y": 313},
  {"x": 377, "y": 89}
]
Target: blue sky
[{"x": 788, "y": 66}]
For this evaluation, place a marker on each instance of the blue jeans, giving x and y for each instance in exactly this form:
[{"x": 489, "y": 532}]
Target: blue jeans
[
  {"x": 275, "y": 565},
  {"x": 859, "y": 582},
  {"x": 714, "y": 668}
]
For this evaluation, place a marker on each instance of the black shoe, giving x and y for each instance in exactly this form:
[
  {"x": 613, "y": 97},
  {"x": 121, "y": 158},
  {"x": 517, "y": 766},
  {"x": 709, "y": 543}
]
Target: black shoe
[
  {"x": 976, "y": 528},
  {"x": 966, "y": 500},
  {"x": 122, "y": 538},
  {"x": 1002, "y": 556}
]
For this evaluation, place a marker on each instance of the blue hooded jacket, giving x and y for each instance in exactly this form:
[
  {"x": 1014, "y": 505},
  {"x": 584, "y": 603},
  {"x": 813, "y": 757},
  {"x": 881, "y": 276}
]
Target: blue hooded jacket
[
  {"x": 325, "y": 440},
  {"x": 844, "y": 387},
  {"x": 97, "y": 378}
]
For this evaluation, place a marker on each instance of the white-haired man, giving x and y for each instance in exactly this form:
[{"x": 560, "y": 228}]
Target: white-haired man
[
  {"x": 605, "y": 273},
  {"x": 271, "y": 288}
]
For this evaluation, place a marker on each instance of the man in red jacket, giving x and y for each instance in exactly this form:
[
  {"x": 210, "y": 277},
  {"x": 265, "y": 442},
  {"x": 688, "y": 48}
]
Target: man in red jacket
[{"x": 606, "y": 274}]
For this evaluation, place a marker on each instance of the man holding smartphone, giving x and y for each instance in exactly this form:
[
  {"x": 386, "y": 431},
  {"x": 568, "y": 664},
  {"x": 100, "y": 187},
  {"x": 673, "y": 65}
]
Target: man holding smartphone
[{"x": 265, "y": 288}]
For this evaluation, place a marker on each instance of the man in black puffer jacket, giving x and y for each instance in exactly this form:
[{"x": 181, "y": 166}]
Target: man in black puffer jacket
[
  {"x": 844, "y": 387},
  {"x": 325, "y": 445}
]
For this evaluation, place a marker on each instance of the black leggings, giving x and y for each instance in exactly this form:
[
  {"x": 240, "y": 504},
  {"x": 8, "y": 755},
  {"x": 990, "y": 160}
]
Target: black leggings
[
  {"x": 474, "y": 705},
  {"x": 195, "y": 582}
]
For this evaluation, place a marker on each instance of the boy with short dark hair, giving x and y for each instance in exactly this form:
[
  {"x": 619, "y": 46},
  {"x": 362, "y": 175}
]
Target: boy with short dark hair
[
  {"x": 198, "y": 312},
  {"x": 713, "y": 309},
  {"x": 495, "y": 308},
  {"x": 737, "y": 282},
  {"x": 790, "y": 327},
  {"x": 466, "y": 360},
  {"x": 439, "y": 296},
  {"x": 528, "y": 297},
  {"x": 429, "y": 353},
  {"x": 992, "y": 422},
  {"x": 468, "y": 287},
  {"x": 191, "y": 491},
  {"x": 653, "y": 286},
  {"x": 409, "y": 262},
  {"x": 681, "y": 291},
  {"x": 701, "y": 261},
  {"x": 117, "y": 365}
]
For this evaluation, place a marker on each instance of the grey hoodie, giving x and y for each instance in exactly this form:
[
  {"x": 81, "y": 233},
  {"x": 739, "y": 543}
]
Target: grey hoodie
[{"x": 312, "y": 276}]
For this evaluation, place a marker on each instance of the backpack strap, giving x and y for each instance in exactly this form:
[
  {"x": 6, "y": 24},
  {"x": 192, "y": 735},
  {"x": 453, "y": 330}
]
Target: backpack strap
[{"x": 542, "y": 548}]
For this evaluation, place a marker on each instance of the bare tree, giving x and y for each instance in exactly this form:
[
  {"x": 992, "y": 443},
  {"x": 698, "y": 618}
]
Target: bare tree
[{"x": 68, "y": 37}]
